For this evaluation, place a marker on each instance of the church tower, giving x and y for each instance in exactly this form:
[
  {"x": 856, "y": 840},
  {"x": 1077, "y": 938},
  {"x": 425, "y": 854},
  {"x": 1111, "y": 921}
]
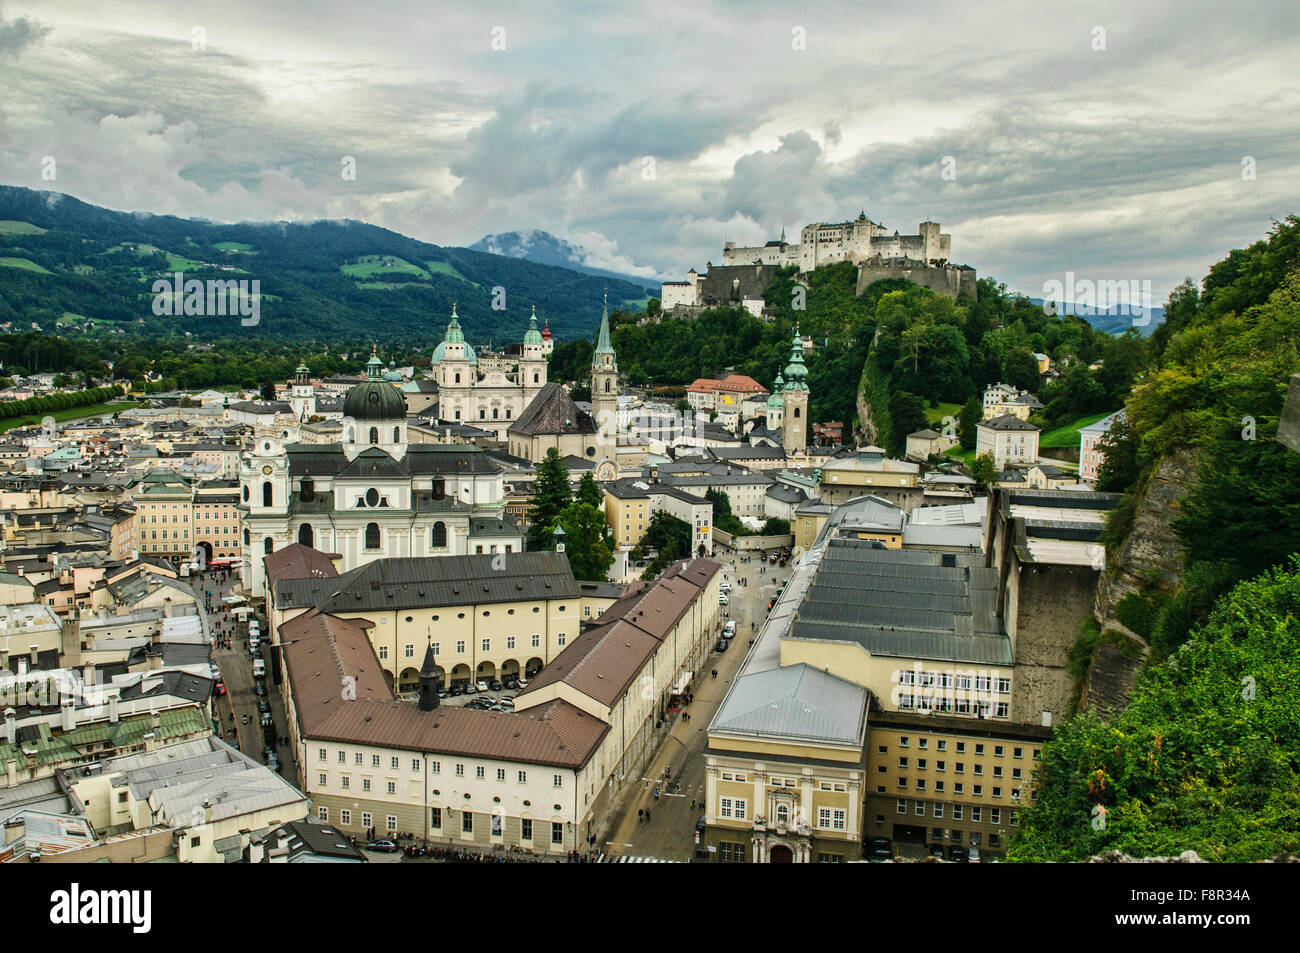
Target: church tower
[
  {"x": 302, "y": 396},
  {"x": 604, "y": 383},
  {"x": 429, "y": 681},
  {"x": 794, "y": 400},
  {"x": 532, "y": 361}
]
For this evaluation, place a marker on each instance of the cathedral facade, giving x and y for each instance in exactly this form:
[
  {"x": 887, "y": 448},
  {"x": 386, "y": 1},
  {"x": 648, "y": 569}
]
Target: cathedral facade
[
  {"x": 374, "y": 494},
  {"x": 490, "y": 393}
]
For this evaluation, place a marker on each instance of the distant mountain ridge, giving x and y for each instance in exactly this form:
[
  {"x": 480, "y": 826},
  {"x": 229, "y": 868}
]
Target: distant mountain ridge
[
  {"x": 69, "y": 265},
  {"x": 1115, "y": 319},
  {"x": 542, "y": 247}
]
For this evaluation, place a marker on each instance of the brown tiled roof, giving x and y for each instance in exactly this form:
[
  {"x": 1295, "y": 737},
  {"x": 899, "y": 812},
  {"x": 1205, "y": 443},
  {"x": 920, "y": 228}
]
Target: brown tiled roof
[
  {"x": 601, "y": 663},
  {"x": 297, "y": 561},
  {"x": 321, "y": 650}
]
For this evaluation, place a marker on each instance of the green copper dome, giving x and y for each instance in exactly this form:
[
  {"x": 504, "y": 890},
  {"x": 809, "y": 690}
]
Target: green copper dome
[
  {"x": 454, "y": 335},
  {"x": 796, "y": 372},
  {"x": 774, "y": 399},
  {"x": 374, "y": 398},
  {"x": 532, "y": 335}
]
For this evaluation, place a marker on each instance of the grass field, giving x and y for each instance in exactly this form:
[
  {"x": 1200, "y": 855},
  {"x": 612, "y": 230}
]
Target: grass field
[
  {"x": 368, "y": 266},
  {"x": 965, "y": 456},
  {"x": 73, "y": 413},
  {"x": 390, "y": 285},
  {"x": 936, "y": 414},
  {"x": 24, "y": 264},
  {"x": 446, "y": 268},
  {"x": 1068, "y": 435},
  {"x": 234, "y": 246},
  {"x": 11, "y": 227}
]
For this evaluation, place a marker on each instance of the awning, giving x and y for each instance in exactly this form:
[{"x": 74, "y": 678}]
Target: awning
[
  {"x": 682, "y": 682},
  {"x": 234, "y": 600}
]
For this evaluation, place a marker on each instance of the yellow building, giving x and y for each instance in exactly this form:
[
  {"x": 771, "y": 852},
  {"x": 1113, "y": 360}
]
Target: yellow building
[
  {"x": 950, "y": 782},
  {"x": 785, "y": 767},
  {"x": 870, "y": 471},
  {"x": 808, "y": 520}
]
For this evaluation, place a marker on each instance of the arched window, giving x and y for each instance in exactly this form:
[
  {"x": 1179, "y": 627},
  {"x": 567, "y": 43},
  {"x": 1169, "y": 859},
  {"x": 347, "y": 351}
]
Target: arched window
[
  {"x": 438, "y": 535},
  {"x": 397, "y": 435},
  {"x": 305, "y": 535},
  {"x": 307, "y": 490},
  {"x": 372, "y": 536},
  {"x": 245, "y": 494},
  {"x": 796, "y": 413},
  {"x": 266, "y": 492},
  {"x": 351, "y": 436},
  {"x": 536, "y": 379},
  {"x": 268, "y": 546},
  {"x": 783, "y": 814},
  {"x": 458, "y": 378},
  {"x": 606, "y": 385},
  {"x": 247, "y": 537},
  {"x": 374, "y": 435}
]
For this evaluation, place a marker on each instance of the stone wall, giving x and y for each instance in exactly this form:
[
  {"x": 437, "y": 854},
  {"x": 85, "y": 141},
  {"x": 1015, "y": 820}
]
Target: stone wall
[
  {"x": 1050, "y": 604},
  {"x": 950, "y": 281}
]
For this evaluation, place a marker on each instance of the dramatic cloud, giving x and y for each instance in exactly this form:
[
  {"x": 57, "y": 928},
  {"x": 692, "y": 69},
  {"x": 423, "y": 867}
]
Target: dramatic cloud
[{"x": 1110, "y": 142}]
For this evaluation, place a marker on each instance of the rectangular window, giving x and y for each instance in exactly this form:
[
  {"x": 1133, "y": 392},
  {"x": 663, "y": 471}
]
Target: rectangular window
[
  {"x": 435, "y": 818},
  {"x": 415, "y": 764},
  {"x": 902, "y": 806},
  {"x": 510, "y": 641},
  {"x": 390, "y": 823},
  {"x": 392, "y": 787},
  {"x": 467, "y": 822},
  {"x": 365, "y": 784},
  {"x": 323, "y": 814},
  {"x": 537, "y": 641},
  {"x": 435, "y": 767},
  {"x": 345, "y": 817},
  {"x": 324, "y": 779},
  {"x": 345, "y": 781},
  {"x": 920, "y": 807},
  {"x": 486, "y": 645},
  {"x": 943, "y": 745},
  {"x": 557, "y": 832},
  {"x": 956, "y": 812},
  {"x": 358, "y": 758},
  {"x": 501, "y": 774},
  {"x": 995, "y": 815},
  {"x": 343, "y": 757},
  {"x": 1001, "y": 710},
  {"x": 938, "y": 809},
  {"x": 323, "y": 754},
  {"x": 1017, "y": 752},
  {"x": 523, "y": 777},
  {"x": 557, "y": 780},
  {"x": 367, "y": 819},
  {"x": 975, "y": 814}
]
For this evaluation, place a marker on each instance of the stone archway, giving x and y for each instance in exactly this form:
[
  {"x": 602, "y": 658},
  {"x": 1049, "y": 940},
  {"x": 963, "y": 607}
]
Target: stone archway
[{"x": 780, "y": 854}]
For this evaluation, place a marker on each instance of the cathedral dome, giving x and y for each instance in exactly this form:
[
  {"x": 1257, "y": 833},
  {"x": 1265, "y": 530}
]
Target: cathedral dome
[
  {"x": 532, "y": 335},
  {"x": 454, "y": 335},
  {"x": 374, "y": 398},
  {"x": 774, "y": 399}
]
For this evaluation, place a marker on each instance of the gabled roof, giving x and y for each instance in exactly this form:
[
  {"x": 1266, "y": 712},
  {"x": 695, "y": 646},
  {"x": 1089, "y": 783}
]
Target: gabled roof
[
  {"x": 553, "y": 412},
  {"x": 797, "y": 701}
]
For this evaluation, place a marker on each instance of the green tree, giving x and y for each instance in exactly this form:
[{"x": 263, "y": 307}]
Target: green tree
[
  {"x": 671, "y": 537},
  {"x": 585, "y": 542},
  {"x": 589, "y": 492},
  {"x": 551, "y": 496},
  {"x": 985, "y": 470},
  {"x": 1203, "y": 757},
  {"x": 972, "y": 412},
  {"x": 907, "y": 411}
]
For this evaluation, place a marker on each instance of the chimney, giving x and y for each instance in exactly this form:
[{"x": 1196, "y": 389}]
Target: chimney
[
  {"x": 4, "y": 655},
  {"x": 11, "y": 726},
  {"x": 155, "y": 723},
  {"x": 207, "y": 812},
  {"x": 71, "y": 647},
  {"x": 22, "y": 665},
  {"x": 32, "y": 650},
  {"x": 16, "y": 827},
  {"x": 69, "y": 715},
  {"x": 113, "y": 716}
]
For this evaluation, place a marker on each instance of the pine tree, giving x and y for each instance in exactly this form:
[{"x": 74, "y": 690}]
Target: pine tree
[
  {"x": 551, "y": 496},
  {"x": 971, "y": 415},
  {"x": 589, "y": 492},
  {"x": 585, "y": 543}
]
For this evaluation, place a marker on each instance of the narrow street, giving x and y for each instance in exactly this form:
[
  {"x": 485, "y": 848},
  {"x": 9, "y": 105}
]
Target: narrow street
[{"x": 676, "y": 773}]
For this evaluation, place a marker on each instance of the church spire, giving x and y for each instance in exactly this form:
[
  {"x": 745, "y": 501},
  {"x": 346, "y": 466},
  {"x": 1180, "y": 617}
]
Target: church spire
[
  {"x": 603, "y": 345},
  {"x": 429, "y": 681}
]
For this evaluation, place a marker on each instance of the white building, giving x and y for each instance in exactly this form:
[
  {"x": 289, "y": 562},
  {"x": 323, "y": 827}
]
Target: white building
[{"x": 1008, "y": 439}]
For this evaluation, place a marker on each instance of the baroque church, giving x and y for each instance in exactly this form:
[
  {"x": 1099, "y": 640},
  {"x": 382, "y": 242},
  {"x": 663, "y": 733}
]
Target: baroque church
[{"x": 374, "y": 494}]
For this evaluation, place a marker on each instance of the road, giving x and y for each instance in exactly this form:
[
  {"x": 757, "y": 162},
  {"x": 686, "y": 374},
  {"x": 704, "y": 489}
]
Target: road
[
  {"x": 676, "y": 772},
  {"x": 236, "y": 666}
]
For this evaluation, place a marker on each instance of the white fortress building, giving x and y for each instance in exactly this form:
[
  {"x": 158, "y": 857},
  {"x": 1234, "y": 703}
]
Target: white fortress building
[{"x": 858, "y": 241}]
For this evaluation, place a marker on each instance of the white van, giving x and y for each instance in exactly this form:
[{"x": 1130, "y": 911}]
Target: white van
[
  {"x": 259, "y": 668},
  {"x": 729, "y": 629}
]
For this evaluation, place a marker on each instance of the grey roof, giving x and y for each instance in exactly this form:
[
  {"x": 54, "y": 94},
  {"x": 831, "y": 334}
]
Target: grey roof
[
  {"x": 747, "y": 453},
  {"x": 1007, "y": 422},
  {"x": 797, "y": 701},
  {"x": 904, "y": 604},
  {"x": 428, "y": 581},
  {"x": 309, "y": 459},
  {"x": 552, "y": 411}
]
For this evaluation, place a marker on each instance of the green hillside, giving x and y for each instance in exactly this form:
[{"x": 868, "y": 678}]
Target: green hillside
[{"x": 339, "y": 281}]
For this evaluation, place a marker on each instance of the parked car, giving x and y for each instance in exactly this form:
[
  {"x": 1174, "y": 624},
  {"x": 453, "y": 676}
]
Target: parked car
[
  {"x": 259, "y": 687},
  {"x": 722, "y": 600},
  {"x": 936, "y": 850},
  {"x": 722, "y": 645},
  {"x": 263, "y": 706},
  {"x": 480, "y": 686},
  {"x": 957, "y": 855},
  {"x": 508, "y": 703},
  {"x": 273, "y": 762},
  {"x": 221, "y": 688},
  {"x": 729, "y": 629},
  {"x": 725, "y": 587},
  {"x": 495, "y": 685},
  {"x": 383, "y": 847},
  {"x": 266, "y": 719},
  {"x": 456, "y": 690},
  {"x": 878, "y": 849},
  {"x": 510, "y": 681},
  {"x": 973, "y": 855},
  {"x": 521, "y": 683}
]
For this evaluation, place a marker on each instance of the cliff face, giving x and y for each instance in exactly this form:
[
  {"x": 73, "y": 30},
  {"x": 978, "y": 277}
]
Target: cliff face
[{"x": 1152, "y": 549}]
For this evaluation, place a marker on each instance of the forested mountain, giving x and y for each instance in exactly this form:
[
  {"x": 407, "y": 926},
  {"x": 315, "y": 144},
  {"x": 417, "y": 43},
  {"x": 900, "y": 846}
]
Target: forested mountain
[{"x": 73, "y": 267}]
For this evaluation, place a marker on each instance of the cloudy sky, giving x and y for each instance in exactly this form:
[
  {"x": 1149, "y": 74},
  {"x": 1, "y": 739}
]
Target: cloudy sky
[{"x": 1107, "y": 139}]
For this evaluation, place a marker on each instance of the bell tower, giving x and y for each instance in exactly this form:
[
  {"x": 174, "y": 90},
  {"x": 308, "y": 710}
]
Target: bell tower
[
  {"x": 794, "y": 400},
  {"x": 604, "y": 382}
]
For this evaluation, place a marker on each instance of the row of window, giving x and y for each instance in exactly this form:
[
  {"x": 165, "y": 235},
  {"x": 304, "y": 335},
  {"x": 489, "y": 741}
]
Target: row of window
[
  {"x": 981, "y": 683},
  {"x": 955, "y": 811},
  {"x": 435, "y": 767},
  {"x": 999, "y": 751},
  {"x": 435, "y": 822},
  {"x": 960, "y": 706},
  {"x": 958, "y": 766},
  {"x": 958, "y": 787},
  {"x": 408, "y": 651}
]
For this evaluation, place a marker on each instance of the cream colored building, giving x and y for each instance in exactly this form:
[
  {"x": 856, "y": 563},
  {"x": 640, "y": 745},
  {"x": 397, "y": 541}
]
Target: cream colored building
[{"x": 1008, "y": 439}]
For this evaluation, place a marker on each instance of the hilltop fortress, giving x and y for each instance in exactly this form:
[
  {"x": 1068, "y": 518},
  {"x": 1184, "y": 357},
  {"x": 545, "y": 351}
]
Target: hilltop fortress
[{"x": 922, "y": 259}]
